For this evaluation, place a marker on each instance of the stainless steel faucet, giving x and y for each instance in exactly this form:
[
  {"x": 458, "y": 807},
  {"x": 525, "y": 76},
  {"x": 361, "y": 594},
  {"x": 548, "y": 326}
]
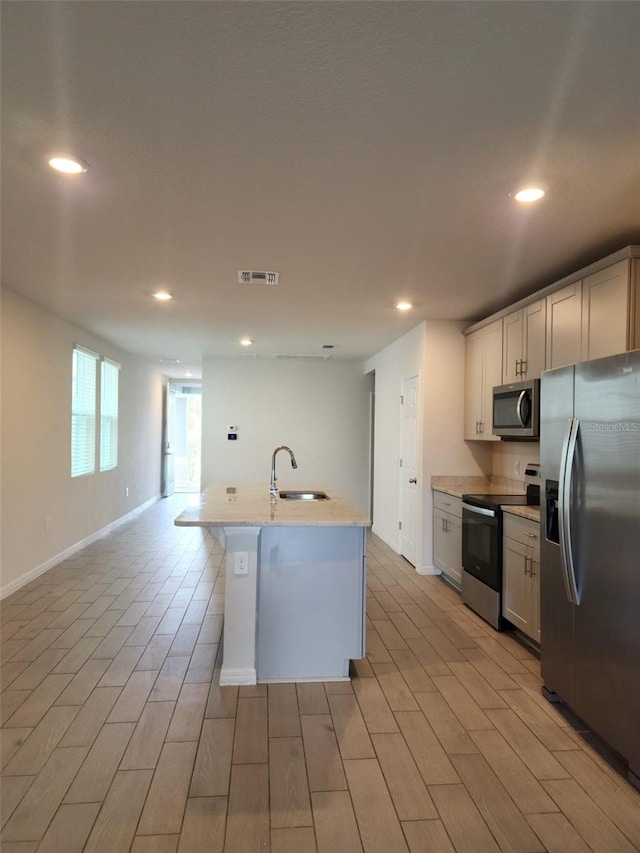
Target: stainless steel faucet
[{"x": 273, "y": 489}]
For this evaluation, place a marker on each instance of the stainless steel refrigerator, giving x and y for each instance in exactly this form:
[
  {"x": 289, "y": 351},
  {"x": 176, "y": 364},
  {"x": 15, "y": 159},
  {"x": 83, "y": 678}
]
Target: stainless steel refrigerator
[{"x": 590, "y": 551}]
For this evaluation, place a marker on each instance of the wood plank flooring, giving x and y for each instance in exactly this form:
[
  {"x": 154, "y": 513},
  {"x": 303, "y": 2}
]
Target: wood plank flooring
[{"x": 117, "y": 737}]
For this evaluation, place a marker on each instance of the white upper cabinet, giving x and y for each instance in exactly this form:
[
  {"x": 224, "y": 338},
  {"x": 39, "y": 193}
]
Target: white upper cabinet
[
  {"x": 523, "y": 344},
  {"x": 595, "y": 314},
  {"x": 512, "y": 347},
  {"x": 564, "y": 326},
  {"x": 606, "y": 316},
  {"x": 482, "y": 372},
  {"x": 594, "y": 317},
  {"x": 474, "y": 364}
]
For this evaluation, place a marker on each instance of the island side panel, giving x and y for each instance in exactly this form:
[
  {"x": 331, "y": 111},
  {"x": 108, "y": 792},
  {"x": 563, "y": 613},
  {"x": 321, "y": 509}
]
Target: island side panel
[
  {"x": 311, "y": 602},
  {"x": 240, "y": 602}
]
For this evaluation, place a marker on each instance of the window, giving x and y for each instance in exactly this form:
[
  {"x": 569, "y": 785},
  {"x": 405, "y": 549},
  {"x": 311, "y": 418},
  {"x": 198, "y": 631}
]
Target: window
[
  {"x": 86, "y": 394},
  {"x": 109, "y": 374},
  {"x": 83, "y": 412}
]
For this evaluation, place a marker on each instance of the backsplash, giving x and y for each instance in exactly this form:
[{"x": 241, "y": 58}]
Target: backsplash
[{"x": 509, "y": 459}]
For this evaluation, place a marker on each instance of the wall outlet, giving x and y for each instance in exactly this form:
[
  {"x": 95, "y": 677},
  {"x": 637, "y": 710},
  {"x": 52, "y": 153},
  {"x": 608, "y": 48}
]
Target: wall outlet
[
  {"x": 516, "y": 467},
  {"x": 241, "y": 563}
]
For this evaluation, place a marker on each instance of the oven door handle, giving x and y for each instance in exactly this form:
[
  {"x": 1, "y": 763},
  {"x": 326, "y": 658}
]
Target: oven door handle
[{"x": 479, "y": 510}]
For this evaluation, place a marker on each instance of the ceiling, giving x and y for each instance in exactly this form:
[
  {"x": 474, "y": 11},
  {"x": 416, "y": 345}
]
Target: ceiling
[{"x": 364, "y": 150}]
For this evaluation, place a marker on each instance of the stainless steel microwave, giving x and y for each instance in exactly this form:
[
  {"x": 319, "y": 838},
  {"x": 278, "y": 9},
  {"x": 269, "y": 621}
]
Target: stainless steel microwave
[{"x": 516, "y": 410}]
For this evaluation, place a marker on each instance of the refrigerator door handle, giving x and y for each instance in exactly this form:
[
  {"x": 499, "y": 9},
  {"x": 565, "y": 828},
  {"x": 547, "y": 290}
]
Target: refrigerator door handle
[{"x": 564, "y": 510}]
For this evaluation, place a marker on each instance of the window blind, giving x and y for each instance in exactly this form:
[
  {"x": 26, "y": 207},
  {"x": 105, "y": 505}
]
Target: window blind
[
  {"x": 83, "y": 412},
  {"x": 109, "y": 376}
]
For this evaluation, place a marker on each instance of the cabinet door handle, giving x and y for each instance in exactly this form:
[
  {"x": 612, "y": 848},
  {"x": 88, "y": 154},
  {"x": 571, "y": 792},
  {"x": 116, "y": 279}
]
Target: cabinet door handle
[
  {"x": 531, "y": 572},
  {"x": 526, "y": 566},
  {"x": 523, "y": 368},
  {"x": 518, "y": 363},
  {"x": 481, "y": 427}
]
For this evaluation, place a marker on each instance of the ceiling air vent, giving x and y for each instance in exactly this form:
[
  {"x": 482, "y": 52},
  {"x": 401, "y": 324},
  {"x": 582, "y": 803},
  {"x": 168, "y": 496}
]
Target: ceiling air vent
[
  {"x": 300, "y": 356},
  {"x": 258, "y": 277}
]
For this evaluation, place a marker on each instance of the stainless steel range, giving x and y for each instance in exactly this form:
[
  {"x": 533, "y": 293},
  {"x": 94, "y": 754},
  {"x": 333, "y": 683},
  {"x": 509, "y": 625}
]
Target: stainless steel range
[{"x": 482, "y": 546}]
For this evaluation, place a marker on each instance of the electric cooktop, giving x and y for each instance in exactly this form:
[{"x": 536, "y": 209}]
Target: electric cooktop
[{"x": 496, "y": 501}]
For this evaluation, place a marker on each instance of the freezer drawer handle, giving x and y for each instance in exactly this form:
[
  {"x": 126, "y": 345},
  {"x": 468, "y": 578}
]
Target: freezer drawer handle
[{"x": 564, "y": 510}]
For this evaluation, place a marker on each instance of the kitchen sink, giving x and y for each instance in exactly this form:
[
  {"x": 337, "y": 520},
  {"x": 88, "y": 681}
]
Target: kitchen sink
[{"x": 304, "y": 496}]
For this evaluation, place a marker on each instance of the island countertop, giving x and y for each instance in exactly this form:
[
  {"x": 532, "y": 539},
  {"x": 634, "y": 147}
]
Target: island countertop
[{"x": 223, "y": 505}]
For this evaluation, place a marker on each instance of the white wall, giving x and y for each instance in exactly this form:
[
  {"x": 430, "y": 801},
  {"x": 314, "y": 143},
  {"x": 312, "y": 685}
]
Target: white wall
[
  {"x": 318, "y": 408},
  {"x": 400, "y": 360},
  {"x": 36, "y": 424},
  {"x": 444, "y": 448},
  {"x": 507, "y": 456},
  {"x": 435, "y": 351}
]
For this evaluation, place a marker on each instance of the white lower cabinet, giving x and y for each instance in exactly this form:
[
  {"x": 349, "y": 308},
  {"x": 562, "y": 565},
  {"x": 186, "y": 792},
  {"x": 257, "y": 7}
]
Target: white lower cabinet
[
  {"x": 447, "y": 536},
  {"x": 521, "y": 574}
]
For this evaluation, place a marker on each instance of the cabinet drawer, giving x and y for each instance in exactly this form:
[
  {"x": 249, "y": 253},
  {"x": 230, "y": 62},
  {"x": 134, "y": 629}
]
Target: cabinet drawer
[
  {"x": 447, "y": 503},
  {"x": 522, "y": 530}
]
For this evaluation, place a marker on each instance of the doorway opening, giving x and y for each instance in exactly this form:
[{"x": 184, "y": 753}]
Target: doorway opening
[{"x": 182, "y": 443}]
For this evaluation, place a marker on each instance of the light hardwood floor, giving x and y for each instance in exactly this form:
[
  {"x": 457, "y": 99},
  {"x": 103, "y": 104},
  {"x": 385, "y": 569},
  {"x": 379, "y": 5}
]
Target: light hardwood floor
[{"x": 116, "y": 736}]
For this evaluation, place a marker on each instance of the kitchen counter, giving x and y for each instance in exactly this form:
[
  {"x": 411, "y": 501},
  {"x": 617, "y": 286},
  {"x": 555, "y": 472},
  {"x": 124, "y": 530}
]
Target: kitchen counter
[
  {"x": 459, "y": 486},
  {"x": 295, "y": 594},
  {"x": 251, "y": 506},
  {"x": 530, "y": 512}
]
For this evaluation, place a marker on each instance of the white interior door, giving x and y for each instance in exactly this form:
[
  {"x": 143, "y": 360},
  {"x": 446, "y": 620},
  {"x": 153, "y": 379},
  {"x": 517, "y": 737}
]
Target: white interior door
[
  {"x": 168, "y": 462},
  {"x": 409, "y": 470}
]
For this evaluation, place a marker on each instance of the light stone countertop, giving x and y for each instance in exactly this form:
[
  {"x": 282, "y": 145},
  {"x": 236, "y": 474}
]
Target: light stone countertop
[
  {"x": 251, "y": 506},
  {"x": 530, "y": 512},
  {"x": 459, "y": 486}
]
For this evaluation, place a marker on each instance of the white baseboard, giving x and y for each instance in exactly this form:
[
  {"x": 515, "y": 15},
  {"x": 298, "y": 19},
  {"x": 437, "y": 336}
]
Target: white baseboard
[
  {"x": 428, "y": 570},
  {"x": 237, "y": 675},
  {"x": 395, "y": 546},
  {"x": 32, "y": 574}
]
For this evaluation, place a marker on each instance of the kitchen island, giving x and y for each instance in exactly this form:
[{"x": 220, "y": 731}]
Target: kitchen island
[{"x": 295, "y": 583}]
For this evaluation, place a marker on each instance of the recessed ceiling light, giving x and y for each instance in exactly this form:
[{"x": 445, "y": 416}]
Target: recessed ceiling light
[
  {"x": 188, "y": 373},
  {"x": 528, "y": 194},
  {"x": 246, "y": 342},
  {"x": 68, "y": 165},
  {"x": 403, "y": 306},
  {"x": 162, "y": 295}
]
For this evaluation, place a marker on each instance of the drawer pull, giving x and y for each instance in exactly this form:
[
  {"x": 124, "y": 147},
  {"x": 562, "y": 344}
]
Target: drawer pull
[{"x": 530, "y": 535}]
